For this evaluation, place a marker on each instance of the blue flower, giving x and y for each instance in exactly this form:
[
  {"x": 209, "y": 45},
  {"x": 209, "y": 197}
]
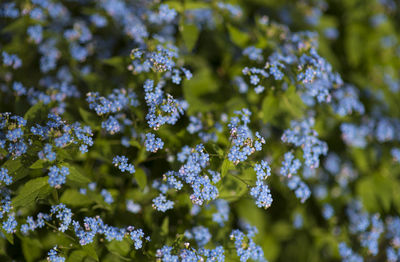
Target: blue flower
[
  {"x": 328, "y": 211},
  {"x": 162, "y": 109},
  {"x": 11, "y": 60},
  {"x": 302, "y": 135},
  {"x": 35, "y": 33},
  {"x": 200, "y": 234},
  {"x": 396, "y": 154},
  {"x": 107, "y": 196},
  {"x": 222, "y": 214},
  {"x": 253, "y": 53},
  {"x": 4, "y": 177},
  {"x": 243, "y": 143},
  {"x": 347, "y": 101},
  {"x": 10, "y": 224},
  {"x": 57, "y": 176},
  {"x": 47, "y": 153},
  {"x": 348, "y": 255},
  {"x": 53, "y": 255},
  {"x": 245, "y": 246},
  {"x": 111, "y": 125},
  {"x": 63, "y": 214},
  {"x": 152, "y": 143},
  {"x": 122, "y": 163},
  {"x": 161, "y": 203},
  {"x": 290, "y": 165},
  {"x": 261, "y": 194}
]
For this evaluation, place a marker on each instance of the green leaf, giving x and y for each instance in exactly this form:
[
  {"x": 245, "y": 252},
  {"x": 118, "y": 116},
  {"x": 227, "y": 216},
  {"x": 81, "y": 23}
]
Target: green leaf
[
  {"x": 232, "y": 188},
  {"x": 9, "y": 237},
  {"x": 71, "y": 197},
  {"x": 37, "y": 113},
  {"x": 383, "y": 191},
  {"x": 116, "y": 61},
  {"x": 361, "y": 160},
  {"x": 165, "y": 227},
  {"x": 31, "y": 248},
  {"x": 365, "y": 189},
  {"x": 270, "y": 107},
  {"x": 135, "y": 143},
  {"x": 190, "y": 34},
  {"x": 196, "y": 5},
  {"x": 141, "y": 178},
  {"x": 292, "y": 102},
  {"x": 3, "y": 152},
  {"x": 238, "y": 37},
  {"x": 38, "y": 187},
  {"x": 18, "y": 25},
  {"x": 75, "y": 176},
  {"x": 38, "y": 164},
  {"x": 90, "y": 251},
  {"x": 76, "y": 255},
  {"x": 119, "y": 248},
  {"x": 89, "y": 118},
  {"x": 203, "y": 83},
  {"x": 16, "y": 169},
  {"x": 12, "y": 165},
  {"x": 226, "y": 165}
]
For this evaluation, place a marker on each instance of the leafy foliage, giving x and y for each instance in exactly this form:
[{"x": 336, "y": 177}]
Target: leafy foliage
[{"x": 199, "y": 130}]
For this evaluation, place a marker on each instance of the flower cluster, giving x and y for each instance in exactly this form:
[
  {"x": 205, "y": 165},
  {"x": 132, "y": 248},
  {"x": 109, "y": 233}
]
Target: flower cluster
[
  {"x": 92, "y": 226},
  {"x": 5, "y": 206},
  {"x": 32, "y": 225},
  {"x": 122, "y": 163},
  {"x": 346, "y": 101},
  {"x": 53, "y": 255},
  {"x": 302, "y": 135},
  {"x": 161, "y": 60},
  {"x": 107, "y": 196},
  {"x": 253, "y": 53},
  {"x": 12, "y": 134},
  {"x": 347, "y": 254},
  {"x": 355, "y": 135},
  {"x": 197, "y": 126},
  {"x": 205, "y": 60},
  {"x": 57, "y": 176},
  {"x": 245, "y": 246},
  {"x": 300, "y": 188},
  {"x": 243, "y": 143},
  {"x": 222, "y": 214},
  {"x": 165, "y": 254},
  {"x": 11, "y": 60},
  {"x": 47, "y": 153},
  {"x": 95, "y": 225},
  {"x": 396, "y": 154},
  {"x": 200, "y": 234},
  {"x": 368, "y": 227},
  {"x": 192, "y": 172},
  {"x": 10, "y": 224},
  {"x": 256, "y": 75},
  {"x": 63, "y": 134},
  {"x": 152, "y": 143},
  {"x": 117, "y": 101},
  {"x": 161, "y": 203},
  {"x": 261, "y": 192},
  {"x": 5, "y": 177},
  {"x": 63, "y": 214},
  {"x": 290, "y": 165},
  {"x": 162, "y": 109}
]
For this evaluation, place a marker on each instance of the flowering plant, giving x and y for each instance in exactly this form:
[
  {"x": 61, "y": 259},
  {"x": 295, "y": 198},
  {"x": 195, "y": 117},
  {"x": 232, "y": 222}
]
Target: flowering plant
[{"x": 199, "y": 130}]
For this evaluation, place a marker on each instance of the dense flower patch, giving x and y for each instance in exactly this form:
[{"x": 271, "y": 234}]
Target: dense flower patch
[{"x": 199, "y": 130}]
